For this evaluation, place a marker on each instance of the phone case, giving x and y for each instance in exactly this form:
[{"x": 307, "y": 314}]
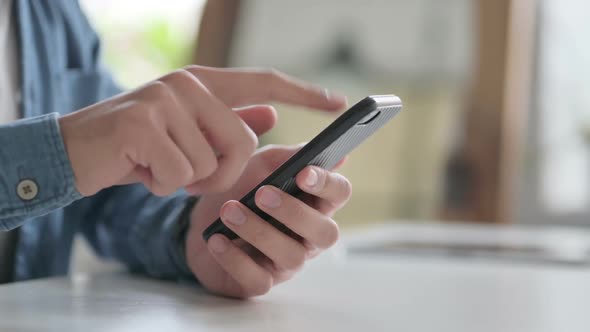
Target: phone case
[{"x": 329, "y": 147}]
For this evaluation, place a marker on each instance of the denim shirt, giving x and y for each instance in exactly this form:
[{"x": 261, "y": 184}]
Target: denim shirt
[{"x": 61, "y": 72}]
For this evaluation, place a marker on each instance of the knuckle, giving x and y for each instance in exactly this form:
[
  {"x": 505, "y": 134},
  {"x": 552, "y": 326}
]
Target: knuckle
[
  {"x": 159, "y": 90},
  {"x": 329, "y": 234},
  {"x": 185, "y": 79},
  {"x": 250, "y": 142},
  {"x": 183, "y": 76},
  {"x": 259, "y": 287},
  {"x": 267, "y": 77},
  {"x": 192, "y": 69},
  {"x": 186, "y": 175},
  {"x": 344, "y": 186},
  {"x": 295, "y": 260},
  {"x": 206, "y": 167},
  {"x": 323, "y": 180},
  {"x": 244, "y": 143}
]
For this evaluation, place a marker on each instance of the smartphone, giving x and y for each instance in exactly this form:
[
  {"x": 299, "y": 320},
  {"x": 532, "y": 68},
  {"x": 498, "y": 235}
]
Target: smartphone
[{"x": 329, "y": 147}]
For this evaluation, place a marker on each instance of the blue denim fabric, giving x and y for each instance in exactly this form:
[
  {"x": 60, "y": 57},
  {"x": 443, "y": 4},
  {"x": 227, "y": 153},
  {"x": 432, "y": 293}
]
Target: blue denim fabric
[{"x": 60, "y": 73}]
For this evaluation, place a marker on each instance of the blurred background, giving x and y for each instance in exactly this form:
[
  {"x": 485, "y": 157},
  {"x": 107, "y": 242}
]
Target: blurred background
[{"x": 496, "y": 120}]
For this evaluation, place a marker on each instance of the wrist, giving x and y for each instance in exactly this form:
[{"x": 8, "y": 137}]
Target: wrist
[
  {"x": 65, "y": 126},
  {"x": 88, "y": 161}
]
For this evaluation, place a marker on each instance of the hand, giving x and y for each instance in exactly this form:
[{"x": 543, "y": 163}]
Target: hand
[
  {"x": 180, "y": 130},
  {"x": 264, "y": 256}
]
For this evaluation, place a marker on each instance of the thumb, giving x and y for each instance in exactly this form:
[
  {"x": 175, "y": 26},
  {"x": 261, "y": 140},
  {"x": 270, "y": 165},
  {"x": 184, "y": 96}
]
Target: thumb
[{"x": 260, "y": 118}]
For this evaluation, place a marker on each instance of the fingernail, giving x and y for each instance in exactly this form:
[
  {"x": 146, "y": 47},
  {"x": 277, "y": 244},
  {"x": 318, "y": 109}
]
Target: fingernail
[
  {"x": 312, "y": 178},
  {"x": 217, "y": 244},
  {"x": 269, "y": 198},
  {"x": 233, "y": 214}
]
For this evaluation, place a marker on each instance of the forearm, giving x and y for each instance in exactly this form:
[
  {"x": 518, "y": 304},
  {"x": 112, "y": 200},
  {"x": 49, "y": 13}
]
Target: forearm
[{"x": 35, "y": 174}]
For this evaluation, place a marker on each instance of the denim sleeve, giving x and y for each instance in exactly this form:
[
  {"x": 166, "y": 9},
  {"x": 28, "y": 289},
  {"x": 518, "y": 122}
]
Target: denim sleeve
[
  {"x": 35, "y": 173},
  {"x": 130, "y": 225}
]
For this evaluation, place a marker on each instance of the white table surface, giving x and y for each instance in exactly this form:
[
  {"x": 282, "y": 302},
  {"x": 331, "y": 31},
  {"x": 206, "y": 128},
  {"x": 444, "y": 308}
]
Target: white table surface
[{"x": 356, "y": 294}]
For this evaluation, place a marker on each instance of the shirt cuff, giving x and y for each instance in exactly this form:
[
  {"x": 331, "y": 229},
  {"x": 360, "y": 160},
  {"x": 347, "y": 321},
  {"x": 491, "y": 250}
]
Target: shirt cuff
[
  {"x": 159, "y": 243},
  {"x": 36, "y": 176}
]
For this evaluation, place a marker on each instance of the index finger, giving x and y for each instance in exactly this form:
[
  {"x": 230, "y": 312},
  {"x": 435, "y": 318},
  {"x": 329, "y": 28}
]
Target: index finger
[{"x": 241, "y": 87}]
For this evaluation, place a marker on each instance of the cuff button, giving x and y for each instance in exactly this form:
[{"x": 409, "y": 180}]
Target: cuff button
[{"x": 27, "y": 190}]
